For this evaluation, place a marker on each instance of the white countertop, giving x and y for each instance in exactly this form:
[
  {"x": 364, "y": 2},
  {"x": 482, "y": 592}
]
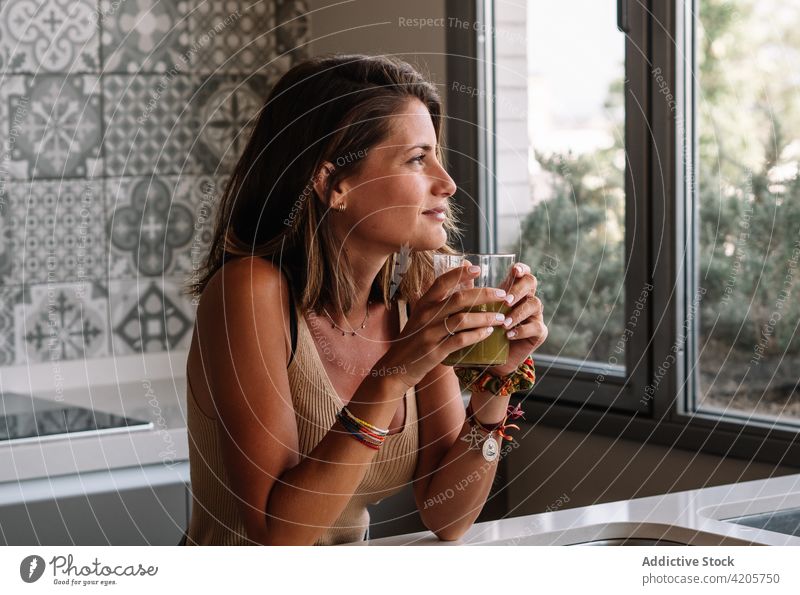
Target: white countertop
[
  {"x": 693, "y": 517},
  {"x": 157, "y": 398},
  {"x": 153, "y": 388}
]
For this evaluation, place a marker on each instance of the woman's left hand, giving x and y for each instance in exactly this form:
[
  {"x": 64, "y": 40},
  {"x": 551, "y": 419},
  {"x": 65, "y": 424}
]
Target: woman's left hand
[{"x": 527, "y": 330}]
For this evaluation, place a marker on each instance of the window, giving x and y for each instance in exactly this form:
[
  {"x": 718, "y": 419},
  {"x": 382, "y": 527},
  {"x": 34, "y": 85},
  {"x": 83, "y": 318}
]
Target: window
[
  {"x": 747, "y": 195},
  {"x": 562, "y": 207},
  {"x": 652, "y": 179},
  {"x": 565, "y": 130}
]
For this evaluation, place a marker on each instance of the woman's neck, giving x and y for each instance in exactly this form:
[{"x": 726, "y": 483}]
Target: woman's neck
[{"x": 365, "y": 266}]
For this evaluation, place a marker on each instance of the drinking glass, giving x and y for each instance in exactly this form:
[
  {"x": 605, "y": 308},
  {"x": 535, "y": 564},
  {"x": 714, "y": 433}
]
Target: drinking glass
[{"x": 495, "y": 272}]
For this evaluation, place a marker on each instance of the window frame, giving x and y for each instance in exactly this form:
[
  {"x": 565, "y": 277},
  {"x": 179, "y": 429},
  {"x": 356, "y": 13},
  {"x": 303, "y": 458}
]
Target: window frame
[
  {"x": 467, "y": 114},
  {"x": 660, "y": 203},
  {"x": 598, "y": 385}
]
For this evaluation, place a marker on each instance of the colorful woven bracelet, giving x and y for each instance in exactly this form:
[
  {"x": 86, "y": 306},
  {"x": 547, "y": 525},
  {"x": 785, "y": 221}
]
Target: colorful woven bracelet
[
  {"x": 353, "y": 431},
  {"x": 366, "y": 435},
  {"x": 355, "y": 426},
  {"x": 367, "y": 425},
  {"x": 475, "y": 380}
]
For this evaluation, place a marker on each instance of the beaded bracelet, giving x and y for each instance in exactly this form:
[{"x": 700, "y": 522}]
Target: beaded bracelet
[
  {"x": 523, "y": 378},
  {"x": 353, "y": 430},
  {"x": 362, "y": 431},
  {"x": 363, "y": 426},
  {"x": 366, "y": 424}
]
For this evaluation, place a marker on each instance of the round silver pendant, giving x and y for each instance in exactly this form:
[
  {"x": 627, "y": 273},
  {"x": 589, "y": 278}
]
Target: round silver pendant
[{"x": 490, "y": 450}]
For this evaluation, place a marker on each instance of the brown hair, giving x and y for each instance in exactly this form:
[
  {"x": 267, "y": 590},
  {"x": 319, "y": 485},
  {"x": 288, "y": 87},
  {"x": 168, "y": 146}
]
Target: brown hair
[{"x": 328, "y": 108}]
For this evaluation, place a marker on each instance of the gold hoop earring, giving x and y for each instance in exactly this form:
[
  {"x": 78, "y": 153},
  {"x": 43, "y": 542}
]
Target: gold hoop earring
[{"x": 342, "y": 207}]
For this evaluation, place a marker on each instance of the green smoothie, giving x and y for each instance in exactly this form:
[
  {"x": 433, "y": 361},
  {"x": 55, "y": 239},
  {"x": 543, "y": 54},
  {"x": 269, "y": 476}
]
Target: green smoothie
[{"x": 492, "y": 351}]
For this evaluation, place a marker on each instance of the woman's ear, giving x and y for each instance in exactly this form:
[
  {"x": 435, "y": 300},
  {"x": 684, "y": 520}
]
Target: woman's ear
[{"x": 321, "y": 185}]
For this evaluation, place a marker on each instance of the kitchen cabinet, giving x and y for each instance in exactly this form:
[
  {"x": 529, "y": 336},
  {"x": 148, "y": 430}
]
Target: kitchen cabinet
[{"x": 145, "y": 505}]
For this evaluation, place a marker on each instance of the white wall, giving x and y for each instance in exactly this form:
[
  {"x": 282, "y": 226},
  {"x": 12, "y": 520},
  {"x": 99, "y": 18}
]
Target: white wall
[
  {"x": 591, "y": 469},
  {"x": 375, "y": 27},
  {"x": 511, "y": 105}
]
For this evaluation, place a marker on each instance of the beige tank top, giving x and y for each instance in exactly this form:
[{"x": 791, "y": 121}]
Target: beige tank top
[{"x": 215, "y": 518}]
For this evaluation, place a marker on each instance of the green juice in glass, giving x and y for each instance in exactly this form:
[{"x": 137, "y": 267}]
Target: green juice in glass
[{"x": 491, "y": 351}]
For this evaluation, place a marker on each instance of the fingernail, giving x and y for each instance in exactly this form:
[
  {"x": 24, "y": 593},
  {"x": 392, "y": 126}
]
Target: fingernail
[
  {"x": 474, "y": 269},
  {"x": 507, "y": 322},
  {"x": 489, "y": 330},
  {"x": 509, "y": 299},
  {"x": 519, "y": 269},
  {"x": 500, "y": 292},
  {"x": 499, "y": 316},
  {"x": 510, "y": 334}
]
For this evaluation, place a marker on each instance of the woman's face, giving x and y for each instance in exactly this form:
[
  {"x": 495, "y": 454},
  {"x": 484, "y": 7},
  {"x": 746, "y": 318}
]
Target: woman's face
[{"x": 389, "y": 201}]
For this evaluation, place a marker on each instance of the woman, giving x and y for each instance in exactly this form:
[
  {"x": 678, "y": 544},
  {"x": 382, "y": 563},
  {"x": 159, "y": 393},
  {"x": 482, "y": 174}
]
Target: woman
[{"x": 315, "y": 378}]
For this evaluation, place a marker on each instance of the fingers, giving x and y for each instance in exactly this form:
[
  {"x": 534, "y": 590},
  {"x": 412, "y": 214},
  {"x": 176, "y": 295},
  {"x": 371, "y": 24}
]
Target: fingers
[
  {"x": 533, "y": 329},
  {"x": 530, "y": 306},
  {"x": 466, "y": 338},
  {"x": 473, "y": 298},
  {"x": 524, "y": 282},
  {"x": 478, "y": 298},
  {"x": 526, "y": 307},
  {"x": 462, "y": 321},
  {"x": 446, "y": 283}
]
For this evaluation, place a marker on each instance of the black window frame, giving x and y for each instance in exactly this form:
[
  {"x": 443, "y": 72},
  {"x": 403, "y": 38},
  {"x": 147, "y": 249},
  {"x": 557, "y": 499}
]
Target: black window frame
[{"x": 660, "y": 208}]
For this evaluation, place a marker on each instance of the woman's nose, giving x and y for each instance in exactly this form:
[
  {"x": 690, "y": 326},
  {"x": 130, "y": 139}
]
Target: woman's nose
[{"x": 447, "y": 186}]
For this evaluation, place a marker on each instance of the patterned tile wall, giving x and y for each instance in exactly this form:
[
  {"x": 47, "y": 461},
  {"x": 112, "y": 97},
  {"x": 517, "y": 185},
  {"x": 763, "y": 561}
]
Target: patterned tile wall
[{"x": 119, "y": 123}]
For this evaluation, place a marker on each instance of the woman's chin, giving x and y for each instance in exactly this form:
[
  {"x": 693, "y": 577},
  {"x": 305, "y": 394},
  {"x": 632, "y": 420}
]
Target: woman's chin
[{"x": 431, "y": 241}]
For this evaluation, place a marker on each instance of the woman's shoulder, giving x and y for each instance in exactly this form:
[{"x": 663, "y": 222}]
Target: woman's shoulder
[
  {"x": 244, "y": 279},
  {"x": 249, "y": 292},
  {"x": 247, "y": 271}
]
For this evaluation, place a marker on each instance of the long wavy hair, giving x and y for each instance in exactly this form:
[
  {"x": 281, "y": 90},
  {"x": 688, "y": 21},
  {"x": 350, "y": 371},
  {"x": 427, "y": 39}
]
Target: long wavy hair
[{"x": 329, "y": 108}]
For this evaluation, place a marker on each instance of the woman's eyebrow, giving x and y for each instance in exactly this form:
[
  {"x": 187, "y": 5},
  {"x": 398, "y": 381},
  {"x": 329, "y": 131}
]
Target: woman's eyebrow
[{"x": 419, "y": 146}]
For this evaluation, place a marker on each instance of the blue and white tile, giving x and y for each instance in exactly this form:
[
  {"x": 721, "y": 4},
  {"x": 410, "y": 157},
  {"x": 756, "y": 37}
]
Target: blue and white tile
[
  {"x": 8, "y": 297},
  {"x": 226, "y": 109},
  {"x": 293, "y": 34},
  {"x": 205, "y": 193},
  {"x": 151, "y": 226},
  {"x": 53, "y": 125},
  {"x": 230, "y": 37},
  {"x": 7, "y": 248},
  {"x": 57, "y": 230},
  {"x": 150, "y": 315},
  {"x": 144, "y": 36},
  {"x": 149, "y": 126},
  {"x": 49, "y": 36},
  {"x": 61, "y": 321}
]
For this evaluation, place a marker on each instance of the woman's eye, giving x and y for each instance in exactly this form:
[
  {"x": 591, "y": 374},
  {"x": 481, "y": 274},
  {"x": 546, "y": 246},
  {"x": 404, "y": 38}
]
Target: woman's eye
[{"x": 419, "y": 158}]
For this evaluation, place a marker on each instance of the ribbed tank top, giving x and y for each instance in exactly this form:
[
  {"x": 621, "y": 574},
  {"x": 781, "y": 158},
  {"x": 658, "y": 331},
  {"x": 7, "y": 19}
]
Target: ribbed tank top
[{"x": 215, "y": 518}]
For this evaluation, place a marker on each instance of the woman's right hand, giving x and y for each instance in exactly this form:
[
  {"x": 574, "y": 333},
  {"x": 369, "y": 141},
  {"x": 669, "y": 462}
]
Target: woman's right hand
[{"x": 424, "y": 341}]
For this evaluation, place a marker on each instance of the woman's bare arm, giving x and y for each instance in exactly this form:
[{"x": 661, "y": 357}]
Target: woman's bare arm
[
  {"x": 283, "y": 500},
  {"x": 452, "y": 481}
]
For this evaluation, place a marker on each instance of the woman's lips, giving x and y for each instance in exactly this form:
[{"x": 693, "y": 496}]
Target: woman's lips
[{"x": 437, "y": 214}]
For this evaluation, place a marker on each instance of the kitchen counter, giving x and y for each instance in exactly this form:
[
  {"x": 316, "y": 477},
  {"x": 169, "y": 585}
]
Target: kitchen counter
[
  {"x": 692, "y": 517},
  {"x": 153, "y": 388},
  {"x": 123, "y": 486},
  {"x": 158, "y": 398}
]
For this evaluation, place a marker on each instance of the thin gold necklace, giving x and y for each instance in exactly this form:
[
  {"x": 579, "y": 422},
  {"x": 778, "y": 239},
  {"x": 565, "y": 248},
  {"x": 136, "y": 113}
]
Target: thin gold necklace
[{"x": 351, "y": 331}]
